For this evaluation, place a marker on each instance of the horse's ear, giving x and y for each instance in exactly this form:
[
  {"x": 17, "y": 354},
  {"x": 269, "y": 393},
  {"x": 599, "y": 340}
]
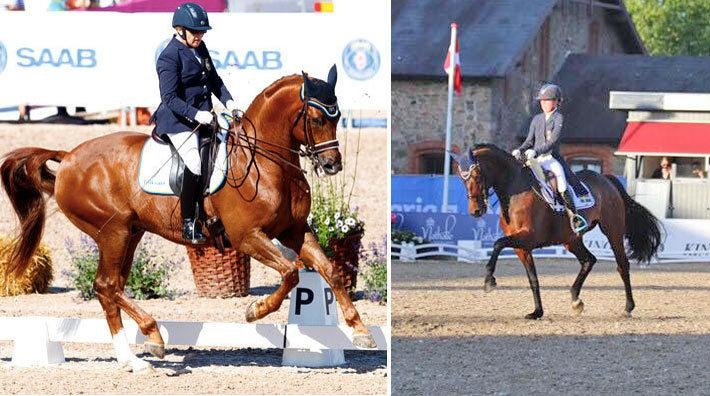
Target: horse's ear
[
  {"x": 306, "y": 83},
  {"x": 455, "y": 157},
  {"x": 470, "y": 156},
  {"x": 333, "y": 76}
]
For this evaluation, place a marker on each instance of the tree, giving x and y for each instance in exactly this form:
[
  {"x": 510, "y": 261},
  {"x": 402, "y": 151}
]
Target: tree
[{"x": 672, "y": 27}]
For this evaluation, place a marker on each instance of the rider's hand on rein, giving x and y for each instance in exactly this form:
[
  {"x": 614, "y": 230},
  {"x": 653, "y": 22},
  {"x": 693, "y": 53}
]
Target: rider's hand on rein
[{"x": 204, "y": 117}]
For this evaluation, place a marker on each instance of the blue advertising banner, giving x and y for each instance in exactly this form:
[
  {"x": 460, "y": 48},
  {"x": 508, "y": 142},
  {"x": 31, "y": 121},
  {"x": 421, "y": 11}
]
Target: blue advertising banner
[
  {"x": 449, "y": 228},
  {"x": 423, "y": 194},
  {"x": 416, "y": 204}
]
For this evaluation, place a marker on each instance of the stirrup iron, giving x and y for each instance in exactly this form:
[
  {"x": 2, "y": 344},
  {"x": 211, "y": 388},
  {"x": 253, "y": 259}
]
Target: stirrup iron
[
  {"x": 579, "y": 220},
  {"x": 191, "y": 233}
]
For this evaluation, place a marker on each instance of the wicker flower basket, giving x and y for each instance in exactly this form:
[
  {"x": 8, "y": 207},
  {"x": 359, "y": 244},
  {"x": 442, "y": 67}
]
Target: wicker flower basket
[
  {"x": 346, "y": 257},
  {"x": 220, "y": 275}
]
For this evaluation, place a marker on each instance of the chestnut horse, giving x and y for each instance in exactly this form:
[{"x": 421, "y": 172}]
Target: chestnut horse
[
  {"x": 528, "y": 222},
  {"x": 95, "y": 186}
]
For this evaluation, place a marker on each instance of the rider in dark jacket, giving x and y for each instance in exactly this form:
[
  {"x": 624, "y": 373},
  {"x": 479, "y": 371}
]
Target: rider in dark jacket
[
  {"x": 543, "y": 142},
  {"x": 187, "y": 81}
]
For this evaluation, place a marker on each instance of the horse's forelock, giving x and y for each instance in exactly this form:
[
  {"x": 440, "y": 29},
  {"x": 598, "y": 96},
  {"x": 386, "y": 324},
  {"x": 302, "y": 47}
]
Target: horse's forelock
[{"x": 464, "y": 160}]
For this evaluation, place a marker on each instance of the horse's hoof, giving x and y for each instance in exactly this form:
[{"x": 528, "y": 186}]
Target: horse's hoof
[
  {"x": 577, "y": 306},
  {"x": 627, "y": 314},
  {"x": 143, "y": 368},
  {"x": 364, "y": 341},
  {"x": 489, "y": 285},
  {"x": 137, "y": 365},
  {"x": 155, "y": 349},
  {"x": 251, "y": 312},
  {"x": 534, "y": 315}
]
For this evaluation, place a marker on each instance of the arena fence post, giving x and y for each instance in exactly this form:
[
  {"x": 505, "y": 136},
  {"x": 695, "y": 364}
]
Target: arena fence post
[{"x": 33, "y": 346}]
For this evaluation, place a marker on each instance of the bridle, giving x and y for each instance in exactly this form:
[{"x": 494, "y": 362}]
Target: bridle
[
  {"x": 311, "y": 149},
  {"x": 474, "y": 172}
]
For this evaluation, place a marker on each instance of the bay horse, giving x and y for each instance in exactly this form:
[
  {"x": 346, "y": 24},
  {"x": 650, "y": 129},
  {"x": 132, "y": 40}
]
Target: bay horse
[
  {"x": 95, "y": 186},
  {"x": 528, "y": 222}
]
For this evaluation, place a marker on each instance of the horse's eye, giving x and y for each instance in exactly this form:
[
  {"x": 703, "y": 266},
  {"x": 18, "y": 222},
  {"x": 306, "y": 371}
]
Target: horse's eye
[{"x": 317, "y": 121}]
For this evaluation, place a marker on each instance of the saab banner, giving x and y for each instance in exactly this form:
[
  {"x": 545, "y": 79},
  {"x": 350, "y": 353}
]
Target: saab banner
[{"x": 107, "y": 59}]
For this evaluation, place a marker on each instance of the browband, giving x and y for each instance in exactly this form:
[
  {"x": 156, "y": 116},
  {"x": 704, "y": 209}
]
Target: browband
[{"x": 330, "y": 111}]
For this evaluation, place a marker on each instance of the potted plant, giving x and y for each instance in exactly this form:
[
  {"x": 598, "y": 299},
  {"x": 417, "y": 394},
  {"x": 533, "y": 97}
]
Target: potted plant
[{"x": 337, "y": 227}]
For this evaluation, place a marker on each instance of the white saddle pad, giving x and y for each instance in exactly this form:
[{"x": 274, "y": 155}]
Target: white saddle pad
[
  {"x": 156, "y": 161},
  {"x": 579, "y": 203}
]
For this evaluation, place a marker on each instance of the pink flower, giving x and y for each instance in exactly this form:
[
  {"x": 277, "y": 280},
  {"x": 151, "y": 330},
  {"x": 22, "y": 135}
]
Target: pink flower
[{"x": 393, "y": 217}]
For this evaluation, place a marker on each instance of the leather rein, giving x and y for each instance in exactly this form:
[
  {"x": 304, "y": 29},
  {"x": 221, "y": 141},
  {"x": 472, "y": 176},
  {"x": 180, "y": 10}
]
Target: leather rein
[{"x": 309, "y": 150}]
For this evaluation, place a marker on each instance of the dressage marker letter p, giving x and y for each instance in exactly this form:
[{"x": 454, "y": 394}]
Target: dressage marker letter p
[
  {"x": 303, "y": 297},
  {"x": 329, "y": 298}
]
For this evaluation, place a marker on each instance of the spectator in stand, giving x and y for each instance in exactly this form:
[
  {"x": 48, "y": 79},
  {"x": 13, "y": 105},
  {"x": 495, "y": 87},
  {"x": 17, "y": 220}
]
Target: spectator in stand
[
  {"x": 664, "y": 170},
  {"x": 698, "y": 170},
  {"x": 12, "y": 5}
]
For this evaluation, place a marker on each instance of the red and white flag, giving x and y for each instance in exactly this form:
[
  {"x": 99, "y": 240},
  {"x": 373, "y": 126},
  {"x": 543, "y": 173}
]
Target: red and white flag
[{"x": 457, "y": 67}]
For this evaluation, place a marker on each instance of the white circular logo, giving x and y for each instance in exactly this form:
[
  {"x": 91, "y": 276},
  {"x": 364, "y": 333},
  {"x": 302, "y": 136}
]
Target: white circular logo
[
  {"x": 3, "y": 57},
  {"x": 361, "y": 59}
]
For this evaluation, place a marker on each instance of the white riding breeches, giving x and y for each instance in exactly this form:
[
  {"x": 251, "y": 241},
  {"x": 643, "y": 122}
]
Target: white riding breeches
[
  {"x": 186, "y": 145},
  {"x": 549, "y": 163}
]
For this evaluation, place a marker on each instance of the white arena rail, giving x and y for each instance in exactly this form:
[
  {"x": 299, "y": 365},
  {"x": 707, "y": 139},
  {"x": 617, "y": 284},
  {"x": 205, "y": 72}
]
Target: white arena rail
[
  {"x": 471, "y": 252},
  {"x": 411, "y": 252},
  {"x": 38, "y": 330},
  {"x": 199, "y": 334}
]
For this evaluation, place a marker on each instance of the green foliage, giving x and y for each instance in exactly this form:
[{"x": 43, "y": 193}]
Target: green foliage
[
  {"x": 148, "y": 277},
  {"x": 672, "y": 27},
  {"x": 331, "y": 216},
  {"x": 403, "y": 236},
  {"x": 374, "y": 273}
]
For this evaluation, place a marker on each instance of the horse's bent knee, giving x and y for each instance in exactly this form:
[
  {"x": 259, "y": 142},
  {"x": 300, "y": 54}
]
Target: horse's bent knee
[
  {"x": 104, "y": 287},
  {"x": 290, "y": 277}
]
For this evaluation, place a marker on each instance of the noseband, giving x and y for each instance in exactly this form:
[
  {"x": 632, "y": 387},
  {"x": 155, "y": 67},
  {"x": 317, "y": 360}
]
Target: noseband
[
  {"x": 311, "y": 149},
  {"x": 469, "y": 174}
]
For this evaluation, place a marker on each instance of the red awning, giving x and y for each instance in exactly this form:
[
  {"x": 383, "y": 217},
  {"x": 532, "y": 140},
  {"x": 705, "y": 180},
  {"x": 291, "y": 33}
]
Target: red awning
[{"x": 665, "y": 138}]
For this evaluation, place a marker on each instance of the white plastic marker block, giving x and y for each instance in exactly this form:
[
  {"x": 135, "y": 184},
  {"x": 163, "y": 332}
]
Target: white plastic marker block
[
  {"x": 312, "y": 302},
  {"x": 337, "y": 337},
  {"x": 472, "y": 252},
  {"x": 33, "y": 346},
  {"x": 408, "y": 252}
]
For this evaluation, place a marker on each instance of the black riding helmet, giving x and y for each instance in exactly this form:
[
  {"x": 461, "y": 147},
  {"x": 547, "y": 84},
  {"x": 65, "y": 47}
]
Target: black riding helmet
[
  {"x": 549, "y": 91},
  {"x": 191, "y": 16}
]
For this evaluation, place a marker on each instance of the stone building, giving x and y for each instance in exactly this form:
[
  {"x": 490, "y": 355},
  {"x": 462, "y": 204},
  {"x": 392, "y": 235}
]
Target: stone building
[{"x": 508, "y": 48}]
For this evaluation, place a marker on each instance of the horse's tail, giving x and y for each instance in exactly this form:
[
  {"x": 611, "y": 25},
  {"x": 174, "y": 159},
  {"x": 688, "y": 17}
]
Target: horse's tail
[
  {"x": 642, "y": 227},
  {"x": 25, "y": 176}
]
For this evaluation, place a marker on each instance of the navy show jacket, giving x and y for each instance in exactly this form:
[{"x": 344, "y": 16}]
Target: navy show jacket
[{"x": 186, "y": 86}]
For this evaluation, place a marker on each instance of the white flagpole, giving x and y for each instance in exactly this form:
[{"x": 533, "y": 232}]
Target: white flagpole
[{"x": 449, "y": 117}]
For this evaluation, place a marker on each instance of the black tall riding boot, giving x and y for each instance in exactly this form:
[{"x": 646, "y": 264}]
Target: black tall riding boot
[
  {"x": 191, "y": 232},
  {"x": 576, "y": 221}
]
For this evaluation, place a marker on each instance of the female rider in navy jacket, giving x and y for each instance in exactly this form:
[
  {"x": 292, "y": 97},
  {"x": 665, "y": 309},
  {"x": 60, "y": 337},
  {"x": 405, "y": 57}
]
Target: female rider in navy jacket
[{"x": 187, "y": 81}]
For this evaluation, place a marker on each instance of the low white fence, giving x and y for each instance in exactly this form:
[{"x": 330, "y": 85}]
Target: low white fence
[
  {"x": 50, "y": 332},
  {"x": 471, "y": 252}
]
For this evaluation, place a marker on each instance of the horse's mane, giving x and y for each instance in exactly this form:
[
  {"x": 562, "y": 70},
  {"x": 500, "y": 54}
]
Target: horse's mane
[
  {"x": 274, "y": 86},
  {"x": 491, "y": 147},
  {"x": 501, "y": 191}
]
